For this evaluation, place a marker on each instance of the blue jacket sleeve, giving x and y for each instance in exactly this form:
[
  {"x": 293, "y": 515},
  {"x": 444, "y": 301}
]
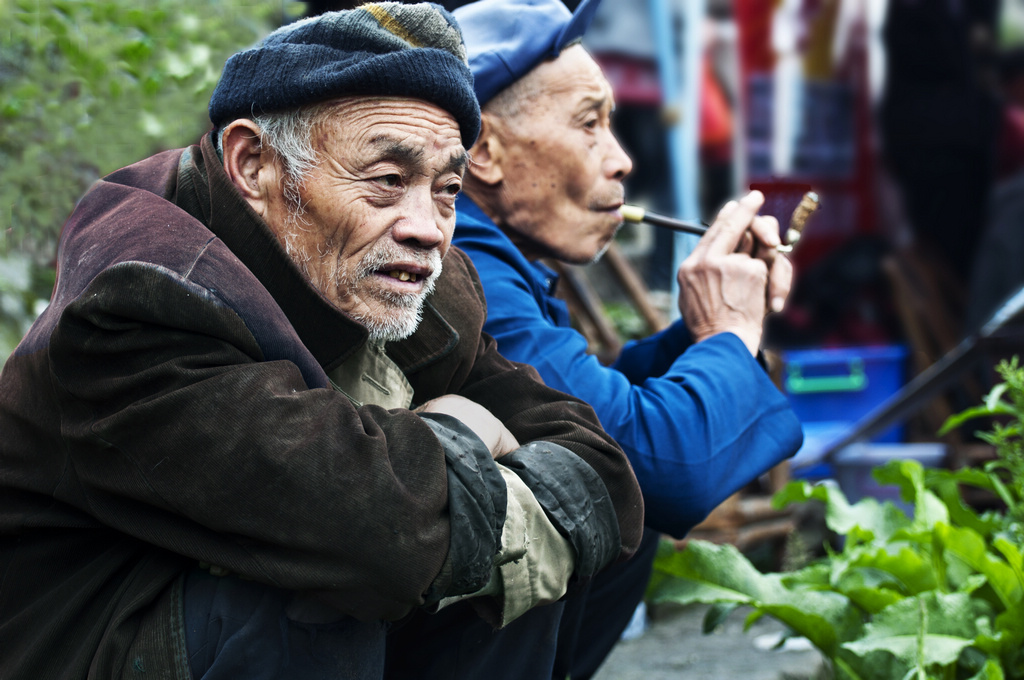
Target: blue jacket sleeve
[
  {"x": 653, "y": 355},
  {"x": 697, "y": 421}
]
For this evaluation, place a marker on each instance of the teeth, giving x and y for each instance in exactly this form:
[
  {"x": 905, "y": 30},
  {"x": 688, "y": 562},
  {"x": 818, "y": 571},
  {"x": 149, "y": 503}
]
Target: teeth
[{"x": 403, "y": 276}]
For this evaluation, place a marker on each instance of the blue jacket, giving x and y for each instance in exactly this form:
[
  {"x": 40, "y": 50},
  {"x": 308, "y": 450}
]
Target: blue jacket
[{"x": 697, "y": 421}]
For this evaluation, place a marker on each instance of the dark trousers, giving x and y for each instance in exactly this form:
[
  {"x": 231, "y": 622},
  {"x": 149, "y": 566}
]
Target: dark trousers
[
  {"x": 240, "y": 629},
  {"x": 456, "y": 644},
  {"x": 593, "y": 623},
  {"x": 570, "y": 638}
]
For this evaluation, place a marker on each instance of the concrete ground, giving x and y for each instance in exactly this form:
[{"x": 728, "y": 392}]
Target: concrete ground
[{"x": 673, "y": 647}]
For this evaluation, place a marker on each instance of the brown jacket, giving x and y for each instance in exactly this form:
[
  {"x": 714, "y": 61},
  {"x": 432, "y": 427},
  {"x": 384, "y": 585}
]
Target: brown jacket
[{"x": 171, "y": 407}]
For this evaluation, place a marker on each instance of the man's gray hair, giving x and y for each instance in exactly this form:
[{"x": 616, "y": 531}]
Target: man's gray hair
[{"x": 290, "y": 135}]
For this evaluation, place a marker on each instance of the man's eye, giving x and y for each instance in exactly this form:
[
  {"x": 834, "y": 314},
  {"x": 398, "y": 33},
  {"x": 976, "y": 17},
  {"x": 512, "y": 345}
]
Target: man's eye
[
  {"x": 590, "y": 123},
  {"x": 390, "y": 180},
  {"x": 452, "y": 189}
]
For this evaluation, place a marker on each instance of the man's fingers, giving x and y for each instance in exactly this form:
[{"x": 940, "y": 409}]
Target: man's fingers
[
  {"x": 733, "y": 220},
  {"x": 780, "y": 282},
  {"x": 747, "y": 244},
  {"x": 765, "y": 229},
  {"x": 491, "y": 431}
]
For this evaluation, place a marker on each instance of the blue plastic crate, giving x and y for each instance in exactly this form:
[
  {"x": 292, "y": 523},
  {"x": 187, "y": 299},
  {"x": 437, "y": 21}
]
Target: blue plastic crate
[{"x": 831, "y": 389}]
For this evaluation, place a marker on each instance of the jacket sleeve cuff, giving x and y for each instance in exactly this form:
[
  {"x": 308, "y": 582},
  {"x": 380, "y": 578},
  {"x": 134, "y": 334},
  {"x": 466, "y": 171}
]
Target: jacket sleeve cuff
[
  {"x": 533, "y": 566},
  {"x": 476, "y": 509},
  {"x": 574, "y": 498}
]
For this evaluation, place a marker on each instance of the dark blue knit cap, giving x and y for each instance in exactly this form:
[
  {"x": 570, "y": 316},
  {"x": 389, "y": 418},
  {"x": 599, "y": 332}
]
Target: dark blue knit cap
[
  {"x": 507, "y": 38},
  {"x": 378, "y": 49}
]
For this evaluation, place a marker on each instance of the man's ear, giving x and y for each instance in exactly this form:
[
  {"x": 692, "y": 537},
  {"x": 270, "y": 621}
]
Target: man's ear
[
  {"x": 244, "y": 160},
  {"x": 488, "y": 153}
]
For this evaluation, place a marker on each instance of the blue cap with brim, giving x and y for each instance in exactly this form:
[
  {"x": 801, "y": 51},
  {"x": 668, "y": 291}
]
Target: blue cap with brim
[{"x": 506, "y": 39}]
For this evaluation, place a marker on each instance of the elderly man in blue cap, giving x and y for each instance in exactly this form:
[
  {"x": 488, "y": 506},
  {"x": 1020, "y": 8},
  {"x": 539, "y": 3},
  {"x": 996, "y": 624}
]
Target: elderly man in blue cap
[
  {"x": 259, "y": 420},
  {"x": 692, "y": 406}
]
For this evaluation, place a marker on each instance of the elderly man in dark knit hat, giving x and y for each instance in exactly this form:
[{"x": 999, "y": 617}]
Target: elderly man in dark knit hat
[
  {"x": 692, "y": 407},
  {"x": 258, "y": 421}
]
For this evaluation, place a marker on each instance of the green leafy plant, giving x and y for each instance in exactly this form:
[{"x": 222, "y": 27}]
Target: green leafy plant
[
  {"x": 89, "y": 86},
  {"x": 936, "y": 595}
]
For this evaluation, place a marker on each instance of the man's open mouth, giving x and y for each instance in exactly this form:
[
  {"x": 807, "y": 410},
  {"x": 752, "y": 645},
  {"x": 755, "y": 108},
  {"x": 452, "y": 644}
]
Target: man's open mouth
[
  {"x": 406, "y": 272},
  {"x": 403, "y": 275}
]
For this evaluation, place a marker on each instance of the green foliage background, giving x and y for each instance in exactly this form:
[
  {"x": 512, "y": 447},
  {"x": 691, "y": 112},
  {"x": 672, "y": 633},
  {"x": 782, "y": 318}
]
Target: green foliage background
[
  {"x": 86, "y": 87},
  {"x": 938, "y": 595}
]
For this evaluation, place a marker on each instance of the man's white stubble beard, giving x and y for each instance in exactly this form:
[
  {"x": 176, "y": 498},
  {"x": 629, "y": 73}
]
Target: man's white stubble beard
[
  {"x": 406, "y": 312},
  {"x": 406, "y": 309},
  {"x": 401, "y": 312},
  {"x": 604, "y": 249}
]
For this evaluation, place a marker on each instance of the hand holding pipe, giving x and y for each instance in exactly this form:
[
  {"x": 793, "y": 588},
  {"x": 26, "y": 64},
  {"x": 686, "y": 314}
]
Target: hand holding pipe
[{"x": 808, "y": 204}]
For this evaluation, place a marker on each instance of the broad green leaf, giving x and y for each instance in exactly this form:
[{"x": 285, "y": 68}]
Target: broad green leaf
[
  {"x": 909, "y": 476},
  {"x": 815, "y": 575},
  {"x": 960, "y": 514},
  {"x": 870, "y": 589},
  {"x": 913, "y": 571},
  {"x": 866, "y": 521},
  {"x": 969, "y": 547},
  {"x": 721, "y": 566},
  {"x": 666, "y": 553},
  {"x": 923, "y": 631},
  {"x": 938, "y": 649},
  {"x": 870, "y": 599},
  {"x": 706, "y": 572},
  {"x": 823, "y": 618},
  {"x": 689, "y": 591}
]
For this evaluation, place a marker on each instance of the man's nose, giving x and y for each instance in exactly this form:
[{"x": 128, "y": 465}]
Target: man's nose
[
  {"x": 419, "y": 221},
  {"x": 617, "y": 163}
]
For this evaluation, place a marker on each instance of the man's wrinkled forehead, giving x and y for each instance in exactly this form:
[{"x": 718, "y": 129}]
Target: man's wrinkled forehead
[
  {"x": 575, "y": 70},
  {"x": 412, "y": 133},
  {"x": 390, "y": 147}
]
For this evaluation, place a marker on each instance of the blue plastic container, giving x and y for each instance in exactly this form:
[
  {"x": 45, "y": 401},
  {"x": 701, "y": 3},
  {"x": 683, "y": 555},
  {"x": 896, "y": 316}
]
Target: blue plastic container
[{"x": 831, "y": 389}]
